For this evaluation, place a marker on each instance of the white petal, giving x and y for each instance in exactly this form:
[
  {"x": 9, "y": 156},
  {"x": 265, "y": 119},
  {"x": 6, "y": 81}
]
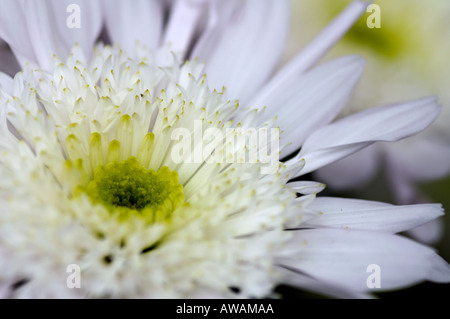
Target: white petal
[
  {"x": 295, "y": 279},
  {"x": 14, "y": 30},
  {"x": 42, "y": 30},
  {"x": 353, "y": 171},
  {"x": 183, "y": 21},
  {"x": 342, "y": 257},
  {"x": 244, "y": 44},
  {"x": 312, "y": 53},
  {"x": 314, "y": 99},
  {"x": 90, "y": 23},
  {"x": 6, "y": 83},
  {"x": 131, "y": 21},
  {"x": 307, "y": 187},
  {"x": 369, "y": 215},
  {"x": 385, "y": 123}
]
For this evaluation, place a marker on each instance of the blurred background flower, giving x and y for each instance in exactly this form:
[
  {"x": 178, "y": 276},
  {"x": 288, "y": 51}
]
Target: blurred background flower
[{"x": 407, "y": 57}]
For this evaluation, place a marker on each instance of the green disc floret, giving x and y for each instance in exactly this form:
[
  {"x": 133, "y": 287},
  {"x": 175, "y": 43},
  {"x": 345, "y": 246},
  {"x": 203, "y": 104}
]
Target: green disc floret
[{"x": 128, "y": 186}]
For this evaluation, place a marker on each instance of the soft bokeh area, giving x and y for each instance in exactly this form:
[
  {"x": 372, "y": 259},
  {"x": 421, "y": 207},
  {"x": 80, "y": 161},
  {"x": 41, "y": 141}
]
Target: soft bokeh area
[{"x": 406, "y": 58}]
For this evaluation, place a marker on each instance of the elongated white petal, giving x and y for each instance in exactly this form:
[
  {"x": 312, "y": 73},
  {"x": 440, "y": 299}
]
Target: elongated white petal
[
  {"x": 6, "y": 83},
  {"x": 244, "y": 44},
  {"x": 307, "y": 187},
  {"x": 296, "y": 279},
  {"x": 65, "y": 14},
  {"x": 317, "y": 96},
  {"x": 385, "y": 123},
  {"x": 344, "y": 257},
  {"x": 183, "y": 21},
  {"x": 369, "y": 215},
  {"x": 353, "y": 171},
  {"x": 14, "y": 33},
  {"x": 312, "y": 53},
  {"x": 131, "y": 21},
  {"x": 36, "y": 30},
  {"x": 44, "y": 39}
]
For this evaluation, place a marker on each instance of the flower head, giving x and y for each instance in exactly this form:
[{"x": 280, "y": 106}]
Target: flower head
[{"x": 96, "y": 167}]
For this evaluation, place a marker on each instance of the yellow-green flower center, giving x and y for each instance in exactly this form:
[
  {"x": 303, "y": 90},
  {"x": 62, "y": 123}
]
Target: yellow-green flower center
[{"x": 128, "y": 187}]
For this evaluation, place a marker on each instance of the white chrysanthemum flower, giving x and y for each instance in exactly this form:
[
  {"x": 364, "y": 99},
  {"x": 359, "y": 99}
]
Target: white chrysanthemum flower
[
  {"x": 92, "y": 156},
  {"x": 89, "y": 179}
]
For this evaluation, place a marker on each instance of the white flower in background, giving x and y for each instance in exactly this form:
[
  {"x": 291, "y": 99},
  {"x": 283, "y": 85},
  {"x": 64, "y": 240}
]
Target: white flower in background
[
  {"x": 407, "y": 58},
  {"x": 87, "y": 176}
]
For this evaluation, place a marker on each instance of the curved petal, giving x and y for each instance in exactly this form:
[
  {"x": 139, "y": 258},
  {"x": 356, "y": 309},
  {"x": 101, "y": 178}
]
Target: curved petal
[
  {"x": 6, "y": 83},
  {"x": 313, "y": 100},
  {"x": 385, "y": 123},
  {"x": 343, "y": 257},
  {"x": 312, "y": 53},
  {"x": 131, "y": 21},
  {"x": 243, "y": 44},
  {"x": 43, "y": 30},
  {"x": 183, "y": 21},
  {"x": 14, "y": 33},
  {"x": 306, "y": 187},
  {"x": 369, "y": 215},
  {"x": 302, "y": 281},
  {"x": 90, "y": 23}
]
